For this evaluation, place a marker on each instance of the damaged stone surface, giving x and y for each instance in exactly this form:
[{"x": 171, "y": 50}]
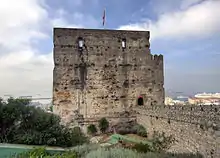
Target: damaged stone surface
[
  {"x": 195, "y": 128},
  {"x": 102, "y": 79}
]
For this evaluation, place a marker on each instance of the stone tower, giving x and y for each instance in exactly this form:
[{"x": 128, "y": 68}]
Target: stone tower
[{"x": 104, "y": 72}]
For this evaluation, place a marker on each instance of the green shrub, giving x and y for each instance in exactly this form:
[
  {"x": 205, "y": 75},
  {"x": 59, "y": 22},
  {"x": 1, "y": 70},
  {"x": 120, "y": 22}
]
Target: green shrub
[
  {"x": 36, "y": 152},
  {"x": 92, "y": 129},
  {"x": 139, "y": 130},
  {"x": 131, "y": 128},
  {"x": 127, "y": 153},
  {"x": 143, "y": 148},
  {"x": 161, "y": 142},
  {"x": 84, "y": 149},
  {"x": 103, "y": 125},
  {"x": 114, "y": 153}
]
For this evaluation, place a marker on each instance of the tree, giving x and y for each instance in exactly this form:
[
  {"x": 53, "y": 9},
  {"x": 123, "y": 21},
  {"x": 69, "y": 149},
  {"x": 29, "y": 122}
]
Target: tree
[
  {"x": 92, "y": 129},
  {"x": 24, "y": 124},
  {"x": 103, "y": 125}
]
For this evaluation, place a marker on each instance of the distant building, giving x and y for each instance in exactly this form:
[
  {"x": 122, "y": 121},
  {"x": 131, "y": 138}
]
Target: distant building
[
  {"x": 204, "y": 101},
  {"x": 208, "y": 95},
  {"x": 170, "y": 101}
]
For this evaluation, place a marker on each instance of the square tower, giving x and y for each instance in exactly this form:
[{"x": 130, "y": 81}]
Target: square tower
[{"x": 100, "y": 73}]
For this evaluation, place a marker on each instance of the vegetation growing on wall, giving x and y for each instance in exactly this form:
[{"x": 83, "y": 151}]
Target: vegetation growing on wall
[
  {"x": 103, "y": 125},
  {"x": 161, "y": 142},
  {"x": 91, "y": 129}
]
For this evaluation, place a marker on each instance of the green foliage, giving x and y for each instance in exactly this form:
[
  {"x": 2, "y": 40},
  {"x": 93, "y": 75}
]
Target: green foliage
[
  {"x": 114, "y": 153},
  {"x": 103, "y": 125},
  {"x": 130, "y": 128},
  {"x": 126, "y": 153},
  {"x": 83, "y": 150},
  {"x": 23, "y": 124},
  {"x": 33, "y": 153},
  {"x": 143, "y": 148},
  {"x": 94, "y": 151},
  {"x": 51, "y": 108},
  {"x": 161, "y": 142},
  {"x": 43, "y": 153},
  {"x": 139, "y": 130},
  {"x": 92, "y": 129}
]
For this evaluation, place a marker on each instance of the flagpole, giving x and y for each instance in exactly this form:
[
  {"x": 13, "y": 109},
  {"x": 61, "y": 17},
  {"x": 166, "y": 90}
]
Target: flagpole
[{"x": 104, "y": 18}]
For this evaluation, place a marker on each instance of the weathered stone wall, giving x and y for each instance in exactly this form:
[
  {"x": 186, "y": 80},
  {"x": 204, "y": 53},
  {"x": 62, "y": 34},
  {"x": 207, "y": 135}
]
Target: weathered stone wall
[
  {"x": 196, "y": 128},
  {"x": 102, "y": 79}
]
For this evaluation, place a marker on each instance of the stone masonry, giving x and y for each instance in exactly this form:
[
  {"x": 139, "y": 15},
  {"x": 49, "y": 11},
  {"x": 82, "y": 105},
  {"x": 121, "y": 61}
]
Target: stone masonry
[
  {"x": 195, "y": 128},
  {"x": 104, "y": 77}
]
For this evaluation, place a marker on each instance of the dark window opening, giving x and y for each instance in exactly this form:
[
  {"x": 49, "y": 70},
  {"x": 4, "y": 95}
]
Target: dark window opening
[
  {"x": 140, "y": 101},
  {"x": 126, "y": 84}
]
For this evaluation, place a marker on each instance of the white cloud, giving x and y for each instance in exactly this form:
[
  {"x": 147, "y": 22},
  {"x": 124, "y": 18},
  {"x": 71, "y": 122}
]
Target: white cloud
[
  {"x": 23, "y": 70},
  {"x": 60, "y": 20},
  {"x": 198, "y": 20},
  {"x": 20, "y": 22}
]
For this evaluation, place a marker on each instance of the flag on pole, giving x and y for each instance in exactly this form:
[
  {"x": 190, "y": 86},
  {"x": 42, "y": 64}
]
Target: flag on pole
[{"x": 103, "y": 18}]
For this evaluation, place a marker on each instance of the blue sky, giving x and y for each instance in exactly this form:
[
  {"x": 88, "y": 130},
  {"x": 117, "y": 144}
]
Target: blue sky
[{"x": 186, "y": 32}]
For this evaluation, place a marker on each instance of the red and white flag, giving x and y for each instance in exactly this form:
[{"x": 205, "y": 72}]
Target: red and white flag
[{"x": 103, "y": 18}]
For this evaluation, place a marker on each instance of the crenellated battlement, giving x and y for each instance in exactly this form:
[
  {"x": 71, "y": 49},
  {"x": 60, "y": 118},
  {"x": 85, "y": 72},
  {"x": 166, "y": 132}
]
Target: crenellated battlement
[{"x": 157, "y": 57}]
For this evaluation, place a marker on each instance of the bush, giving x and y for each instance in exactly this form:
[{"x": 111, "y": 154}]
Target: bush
[
  {"x": 83, "y": 150},
  {"x": 143, "y": 148},
  {"x": 130, "y": 128},
  {"x": 125, "y": 127},
  {"x": 161, "y": 142},
  {"x": 114, "y": 153},
  {"x": 103, "y": 125},
  {"x": 139, "y": 130},
  {"x": 127, "y": 153},
  {"x": 91, "y": 129}
]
